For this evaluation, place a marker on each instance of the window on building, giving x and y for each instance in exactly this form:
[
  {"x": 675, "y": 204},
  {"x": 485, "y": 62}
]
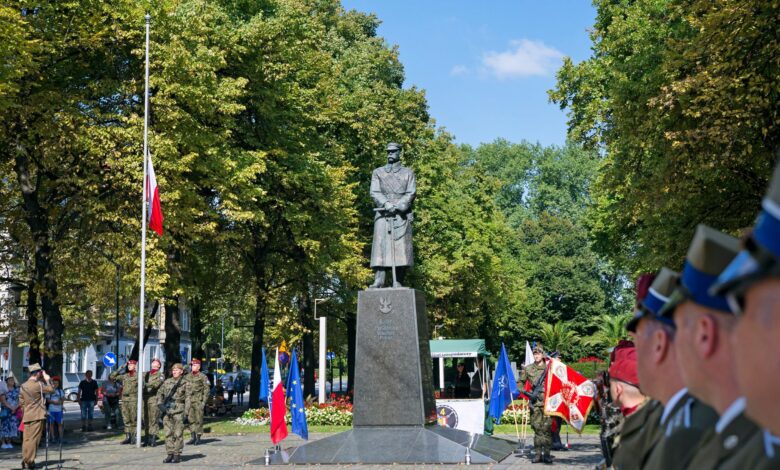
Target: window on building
[{"x": 185, "y": 320}]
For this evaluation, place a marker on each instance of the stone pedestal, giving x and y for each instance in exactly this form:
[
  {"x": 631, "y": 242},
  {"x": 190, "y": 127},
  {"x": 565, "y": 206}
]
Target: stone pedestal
[
  {"x": 393, "y": 395},
  {"x": 393, "y": 383}
]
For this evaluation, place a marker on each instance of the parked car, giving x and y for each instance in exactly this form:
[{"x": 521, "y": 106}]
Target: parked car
[{"x": 70, "y": 385}]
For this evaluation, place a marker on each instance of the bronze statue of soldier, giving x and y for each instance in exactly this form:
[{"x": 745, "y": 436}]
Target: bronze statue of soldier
[{"x": 393, "y": 188}]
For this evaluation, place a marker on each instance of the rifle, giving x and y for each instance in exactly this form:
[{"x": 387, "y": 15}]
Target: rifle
[
  {"x": 602, "y": 402},
  {"x": 537, "y": 392},
  {"x": 167, "y": 403}
]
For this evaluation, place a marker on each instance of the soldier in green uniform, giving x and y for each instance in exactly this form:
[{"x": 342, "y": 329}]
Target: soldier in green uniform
[
  {"x": 151, "y": 413},
  {"x": 702, "y": 325},
  {"x": 199, "y": 389},
  {"x": 129, "y": 379},
  {"x": 752, "y": 284},
  {"x": 540, "y": 423},
  {"x": 174, "y": 396},
  {"x": 640, "y": 411},
  {"x": 707, "y": 357},
  {"x": 657, "y": 367}
]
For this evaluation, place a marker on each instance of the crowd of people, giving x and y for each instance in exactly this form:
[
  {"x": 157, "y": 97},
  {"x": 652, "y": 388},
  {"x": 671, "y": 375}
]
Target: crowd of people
[{"x": 175, "y": 404}]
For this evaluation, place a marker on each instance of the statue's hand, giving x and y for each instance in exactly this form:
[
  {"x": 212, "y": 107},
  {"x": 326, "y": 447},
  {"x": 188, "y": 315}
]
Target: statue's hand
[{"x": 389, "y": 207}]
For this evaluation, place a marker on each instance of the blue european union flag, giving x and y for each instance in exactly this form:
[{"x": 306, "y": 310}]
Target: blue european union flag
[
  {"x": 504, "y": 386},
  {"x": 297, "y": 405},
  {"x": 265, "y": 384}
]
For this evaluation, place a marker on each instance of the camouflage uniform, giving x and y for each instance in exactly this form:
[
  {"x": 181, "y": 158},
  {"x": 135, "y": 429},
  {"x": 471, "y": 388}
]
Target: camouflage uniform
[
  {"x": 540, "y": 423},
  {"x": 151, "y": 412},
  {"x": 173, "y": 422},
  {"x": 199, "y": 390},
  {"x": 129, "y": 401}
]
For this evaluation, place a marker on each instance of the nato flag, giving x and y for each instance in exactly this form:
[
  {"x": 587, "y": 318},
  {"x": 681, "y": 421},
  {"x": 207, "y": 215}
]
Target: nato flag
[
  {"x": 265, "y": 384},
  {"x": 297, "y": 405},
  {"x": 504, "y": 386}
]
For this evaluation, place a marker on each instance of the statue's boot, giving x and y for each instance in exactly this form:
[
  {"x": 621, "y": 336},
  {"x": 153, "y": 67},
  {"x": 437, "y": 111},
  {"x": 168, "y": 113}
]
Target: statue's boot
[{"x": 379, "y": 279}]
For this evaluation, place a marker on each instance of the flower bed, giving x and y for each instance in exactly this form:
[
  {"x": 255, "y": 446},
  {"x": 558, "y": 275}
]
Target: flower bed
[
  {"x": 512, "y": 411},
  {"x": 335, "y": 413}
]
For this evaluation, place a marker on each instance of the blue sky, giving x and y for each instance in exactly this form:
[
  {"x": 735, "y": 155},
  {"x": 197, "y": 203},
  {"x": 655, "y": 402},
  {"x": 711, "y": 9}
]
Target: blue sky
[{"x": 486, "y": 65}]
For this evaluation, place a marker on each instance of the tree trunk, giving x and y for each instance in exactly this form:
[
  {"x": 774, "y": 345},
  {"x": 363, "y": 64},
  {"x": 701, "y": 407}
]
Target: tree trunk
[
  {"x": 172, "y": 333},
  {"x": 196, "y": 330},
  {"x": 309, "y": 364},
  {"x": 351, "y": 322},
  {"x": 32, "y": 326},
  {"x": 257, "y": 349},
  {"x": 45, "y": 284}
]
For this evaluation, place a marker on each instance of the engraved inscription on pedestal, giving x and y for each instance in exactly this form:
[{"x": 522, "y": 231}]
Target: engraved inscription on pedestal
[{"x": 393, "y": 383}]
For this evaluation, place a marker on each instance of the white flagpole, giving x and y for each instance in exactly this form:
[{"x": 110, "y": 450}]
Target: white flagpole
[{"x": 140, "y": 368}]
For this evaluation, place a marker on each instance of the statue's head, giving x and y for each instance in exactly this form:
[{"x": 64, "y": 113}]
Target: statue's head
[{"x": 393, "y": 152}]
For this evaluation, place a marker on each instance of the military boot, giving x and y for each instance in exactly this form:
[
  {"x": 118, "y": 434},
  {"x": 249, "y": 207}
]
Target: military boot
[
  {"x": 128, "y": 439},
  {"x": 547, "y": 459},
  {"x": 192, "y": 441},
  {"x": 168, "y": 459},
  {"x": 176, "y": 458},
  {"x": 197, "y": 439},
  {"x": 151, "y": 441},
  {"x": 537, "y": 455}
]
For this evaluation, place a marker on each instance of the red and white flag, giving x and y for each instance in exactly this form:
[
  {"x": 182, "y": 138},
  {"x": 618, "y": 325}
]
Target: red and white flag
[
  {"x": 153, "y": 209},
  {"x": 278, "y": 406},
  {"x": 568, "y": 395}
]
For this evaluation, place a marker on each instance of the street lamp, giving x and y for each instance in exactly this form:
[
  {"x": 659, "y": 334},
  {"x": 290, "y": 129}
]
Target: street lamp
[{"x": 323, "y": 347}]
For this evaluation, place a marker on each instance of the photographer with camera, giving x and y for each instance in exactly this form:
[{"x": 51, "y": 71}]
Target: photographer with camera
[
  {"x": 536, "y": 372},
  {"x": 33, "y": 400},
  {"x": 173, "y": 400}
]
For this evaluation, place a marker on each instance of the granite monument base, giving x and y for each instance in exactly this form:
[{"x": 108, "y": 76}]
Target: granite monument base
[
  {"x": 393, "y": 395},
  {"x": 401, "y": 445}
]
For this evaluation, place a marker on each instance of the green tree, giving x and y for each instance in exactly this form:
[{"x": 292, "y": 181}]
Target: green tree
[
  {"x": 558, "y": 336},
  {"x": 610, "y": 329},
  {"x": 681, "y": 98}
]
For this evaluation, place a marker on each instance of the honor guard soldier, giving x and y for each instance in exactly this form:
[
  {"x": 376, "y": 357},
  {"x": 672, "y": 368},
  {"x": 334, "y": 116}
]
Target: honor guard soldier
[
  {"x": 751, "y": 283},
  {"x": 151, "y": 413},
  {"x": 127, "y": 375},
  {"x": 173, "y": 400},
  {"x": 657, "y": 366},
  {"x": 639, "y": 410},
  {"x": 536, "y": 373},
  {"x": 700, "y": 320},
  {"x": 199, "y": 391}
]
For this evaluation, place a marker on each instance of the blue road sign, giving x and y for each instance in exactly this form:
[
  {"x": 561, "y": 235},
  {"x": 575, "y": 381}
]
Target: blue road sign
[
  {"x": 109, "y": 359},
  {"x": 330, "y": 355}
]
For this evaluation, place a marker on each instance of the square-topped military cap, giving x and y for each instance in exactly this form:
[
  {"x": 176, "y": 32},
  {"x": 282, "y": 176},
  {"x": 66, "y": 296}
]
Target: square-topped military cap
[
  {"x": 657, "y": 295},
  {"x": 760, "y": 257},
  {"x": 708, "y": 254}
]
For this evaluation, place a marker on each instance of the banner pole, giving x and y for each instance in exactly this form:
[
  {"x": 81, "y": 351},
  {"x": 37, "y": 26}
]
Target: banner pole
[{"x": 139, "y": 368}]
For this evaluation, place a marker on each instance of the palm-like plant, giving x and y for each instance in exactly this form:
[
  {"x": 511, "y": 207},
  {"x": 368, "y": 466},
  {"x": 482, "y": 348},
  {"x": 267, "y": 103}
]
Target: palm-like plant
[
  {"x": 557, "y": 336},
  {"x": 610, "y": 329}
]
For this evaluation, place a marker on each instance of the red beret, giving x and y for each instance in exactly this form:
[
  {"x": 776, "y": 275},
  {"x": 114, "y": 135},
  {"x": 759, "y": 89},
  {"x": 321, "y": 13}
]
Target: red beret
[
  {"x": 643, "y": 283},
  {"x": 623, "y": 365},
  {"x": 195, "y": 361},
  {"x": 57, "y": 378},
  {"x": 132, "y": 361}
]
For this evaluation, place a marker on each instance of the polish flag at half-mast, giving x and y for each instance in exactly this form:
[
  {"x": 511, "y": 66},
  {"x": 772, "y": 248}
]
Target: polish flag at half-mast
[{"x": 154, "y": 210}]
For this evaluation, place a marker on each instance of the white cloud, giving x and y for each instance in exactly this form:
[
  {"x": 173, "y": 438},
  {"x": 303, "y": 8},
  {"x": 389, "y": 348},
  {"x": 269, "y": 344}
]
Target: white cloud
[
  {"x": 525, "y": 58},
  {"x": 459, "y": 70}
]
